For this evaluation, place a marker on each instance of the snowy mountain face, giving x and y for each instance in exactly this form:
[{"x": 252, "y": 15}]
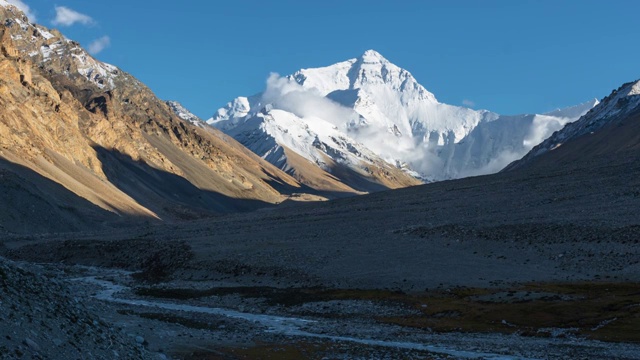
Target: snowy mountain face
[
  {"x": 614, "y": 108},
  {"x": 368, "y": 108},
  {"x": 185, "y": 114}
]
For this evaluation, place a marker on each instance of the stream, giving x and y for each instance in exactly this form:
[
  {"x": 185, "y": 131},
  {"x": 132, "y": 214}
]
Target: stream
[{"x": 288, "y": 326}]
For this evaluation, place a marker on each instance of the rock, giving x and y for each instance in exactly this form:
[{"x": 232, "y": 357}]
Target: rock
[
  {"x": 70, "y": 334},
  {"x": 32, "y": 344},
  {"x": 140, "y": 340}
]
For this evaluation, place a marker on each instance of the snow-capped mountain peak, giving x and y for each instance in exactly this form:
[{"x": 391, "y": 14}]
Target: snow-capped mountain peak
[
  {"x": 373, "y": 57},
  {"x": 379, "y": 106},
  {"x": 229, "y": 116},
  {"x": 635, "y": 89},
  {"x": 371, "y": 69}
]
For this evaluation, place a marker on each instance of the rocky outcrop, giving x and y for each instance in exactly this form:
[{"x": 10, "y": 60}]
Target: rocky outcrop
[
  {"x": 185, "y": 114},
  {"x": 41, "y": 319},
  {"x": 6, "y": 48}
]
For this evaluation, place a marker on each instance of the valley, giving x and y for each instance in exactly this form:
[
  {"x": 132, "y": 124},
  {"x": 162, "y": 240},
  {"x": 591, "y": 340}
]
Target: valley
[
  {"x": 342, "y": 213},
  {"x": 490, "y": 256}
]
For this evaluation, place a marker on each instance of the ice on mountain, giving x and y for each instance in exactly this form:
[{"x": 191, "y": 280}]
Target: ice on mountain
[{"x": 381, "y": 109}]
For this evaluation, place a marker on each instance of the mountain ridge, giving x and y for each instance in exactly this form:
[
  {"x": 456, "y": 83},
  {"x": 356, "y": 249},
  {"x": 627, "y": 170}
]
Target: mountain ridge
[
  {"x": 381, "y": 107},
  {"x": 184, "y": 114},
  {"x": 106, "y": 138},
  {"x": 617, "y": 109}
]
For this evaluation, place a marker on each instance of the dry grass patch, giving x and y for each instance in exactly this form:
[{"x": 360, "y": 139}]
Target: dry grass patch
[
  {"x": 601, "y": 311},
  {"x": 596, "y": 310}
]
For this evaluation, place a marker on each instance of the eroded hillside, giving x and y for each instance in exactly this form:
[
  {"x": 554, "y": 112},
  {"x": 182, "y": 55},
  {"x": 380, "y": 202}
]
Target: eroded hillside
[{"x": 110, "y": 143}]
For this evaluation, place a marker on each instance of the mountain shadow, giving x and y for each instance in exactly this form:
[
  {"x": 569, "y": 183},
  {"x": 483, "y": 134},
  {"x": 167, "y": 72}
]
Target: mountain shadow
[
  {"x": 304, "y": 189},
  {"x": 31, "y": 204},
  {"x": 355, "y": 180},
  {"x": 170, "y": 196}
]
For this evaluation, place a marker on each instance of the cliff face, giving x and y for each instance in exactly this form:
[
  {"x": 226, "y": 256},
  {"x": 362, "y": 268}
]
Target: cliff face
[{"x": 106, "y": 138}]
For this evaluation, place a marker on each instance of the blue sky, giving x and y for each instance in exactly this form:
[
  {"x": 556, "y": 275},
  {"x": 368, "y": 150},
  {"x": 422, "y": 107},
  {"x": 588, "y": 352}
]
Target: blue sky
[{"x": 510, "y": 57}]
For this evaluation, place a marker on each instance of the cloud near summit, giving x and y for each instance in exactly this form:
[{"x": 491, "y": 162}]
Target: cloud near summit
[
  {"x": 98, "y": 45},
  {"x": 67, "y": 17},
  {"x": 288, "y": 95}
]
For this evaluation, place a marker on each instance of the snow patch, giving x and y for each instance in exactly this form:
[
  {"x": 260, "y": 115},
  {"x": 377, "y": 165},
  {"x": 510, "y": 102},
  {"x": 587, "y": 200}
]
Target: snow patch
[
  {"x": 45, "y": 34},
  {"x": 185, "y": 114},
  {"x": 635, "y": 89}
]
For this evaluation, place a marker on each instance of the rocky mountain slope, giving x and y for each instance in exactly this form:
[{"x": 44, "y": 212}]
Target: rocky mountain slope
[
  {"x": 185, "y": 114},
  {"x": 367, "y": 111},
  {"x": 110, "y": 144},
  {"x": 611, "y": 127}
]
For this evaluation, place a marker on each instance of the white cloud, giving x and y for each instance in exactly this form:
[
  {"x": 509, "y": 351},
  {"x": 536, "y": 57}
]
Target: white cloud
[
  {"x": 288, "y": 95},
  {"x": 542, "y": 127},
  {"x": 68, "y": 17},
  {"x": 496, "y": 163},
  {"x": 24, "y": 8},
  {"x": 468, "y": 103},
  {"x": 98, "y": 45}
]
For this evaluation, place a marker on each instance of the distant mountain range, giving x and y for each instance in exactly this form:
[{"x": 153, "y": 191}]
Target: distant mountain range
[{"x": 367, "y": 113}]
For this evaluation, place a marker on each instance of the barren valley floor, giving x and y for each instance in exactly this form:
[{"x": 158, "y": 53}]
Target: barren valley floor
[{"x": 518, "y": 264}]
